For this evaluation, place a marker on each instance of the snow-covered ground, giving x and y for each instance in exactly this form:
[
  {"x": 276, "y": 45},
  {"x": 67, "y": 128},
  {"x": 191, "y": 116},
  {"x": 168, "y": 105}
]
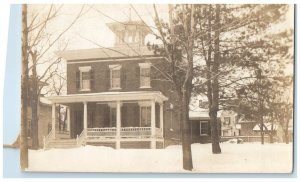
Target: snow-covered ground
[{"x": 235, "y": 158}]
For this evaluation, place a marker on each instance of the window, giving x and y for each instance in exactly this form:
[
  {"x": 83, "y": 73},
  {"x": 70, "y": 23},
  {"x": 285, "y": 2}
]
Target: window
[
  {"x": 115, "y": 76},
  {"x": 131, "y": 36},
  {"x": 85, "y": 78},
  {"x": 145, "y": 116},
  {"x": 203, "y": 128},
  {"x": 137, "y": 36},
  {"x": 226, "y": 133},
  {"x": 226, "y": 120},
  {"x": 145, "y": 75}
]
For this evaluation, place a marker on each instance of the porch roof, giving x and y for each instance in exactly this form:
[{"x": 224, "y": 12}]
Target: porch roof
[{"x": 108, "y": 96}]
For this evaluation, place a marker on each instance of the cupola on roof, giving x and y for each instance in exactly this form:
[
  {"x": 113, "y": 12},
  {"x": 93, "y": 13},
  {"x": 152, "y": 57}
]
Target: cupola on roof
[{"x": 129, "y": 32}]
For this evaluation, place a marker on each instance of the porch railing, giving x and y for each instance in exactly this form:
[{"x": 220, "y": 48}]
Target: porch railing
[
  {"x": 125, "y": 132},
  {"x": 101, "y": 132},
  {"x": 47, "y": 139},
  {"x": 135, "y": 131}
]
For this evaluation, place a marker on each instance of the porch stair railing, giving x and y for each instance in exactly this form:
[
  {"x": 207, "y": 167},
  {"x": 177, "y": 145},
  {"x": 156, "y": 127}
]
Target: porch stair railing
[
  {"x": 80, "y": 140},
  {"x": 47, "y": 139}
]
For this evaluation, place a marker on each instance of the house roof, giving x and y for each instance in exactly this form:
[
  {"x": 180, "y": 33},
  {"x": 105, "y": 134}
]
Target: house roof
[
  {"x": 268, "y": 126},
  {"x": 108, "y": 96},
  {"x": 123, "y": 25},
  {"x": 200, "y": 114},
  {"x": 106, "y": 53},
  {"x": 197, "y": 115},
  {"x": 45, "y": 101}
]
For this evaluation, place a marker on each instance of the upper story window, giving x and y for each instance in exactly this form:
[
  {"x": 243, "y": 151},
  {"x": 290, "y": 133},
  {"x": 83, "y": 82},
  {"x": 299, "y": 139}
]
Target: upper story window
[
  {"x": 227, "y": 120},
  {"x": 145, "y": 113},
  {"x": 204, "y": 128},
  {"x": 84, "y": 77},
  {"x": 131, "y": 36},
  {"x": 145, "y": 75},
  {"x": 115, "y": 76},
  {"x": 120, "y": 36}
]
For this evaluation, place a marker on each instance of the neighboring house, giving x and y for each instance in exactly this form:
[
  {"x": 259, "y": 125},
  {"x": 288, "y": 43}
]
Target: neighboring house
[
  {"x": 44, "y": 115},
  {"x": 44, "y": 119},
  {"x": 200, "y": 126},
  {"x": 116, "y": 96},
  {"x": 229, "y": 124}
]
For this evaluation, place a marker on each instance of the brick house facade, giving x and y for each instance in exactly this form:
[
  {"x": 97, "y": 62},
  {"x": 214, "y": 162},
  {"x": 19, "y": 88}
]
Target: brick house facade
[{"x": 117, "y": 96}]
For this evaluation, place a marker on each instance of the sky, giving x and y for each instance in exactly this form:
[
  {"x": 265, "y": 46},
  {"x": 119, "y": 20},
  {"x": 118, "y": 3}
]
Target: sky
[{"x": 91, "y": 25}]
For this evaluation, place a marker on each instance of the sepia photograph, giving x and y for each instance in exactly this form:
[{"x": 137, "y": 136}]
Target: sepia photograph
[{"x": 157, "y": 88}]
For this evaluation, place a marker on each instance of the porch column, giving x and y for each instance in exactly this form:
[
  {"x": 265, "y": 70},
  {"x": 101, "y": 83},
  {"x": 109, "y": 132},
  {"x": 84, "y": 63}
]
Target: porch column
[
  {"x": 85, "y": 117},
  {"x": 118, "y": 125},
  {"x": 153, "y": 139},
  {"x": 161, "y": 118},
  {"x": 53, "y": 120},
  {"x": 68, "y": 118}
]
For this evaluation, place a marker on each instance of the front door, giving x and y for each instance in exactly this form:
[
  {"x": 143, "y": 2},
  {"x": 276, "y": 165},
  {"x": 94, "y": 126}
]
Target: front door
[
  {"x": 78, "y": 122},
  {"x": 113, "y": 117}
]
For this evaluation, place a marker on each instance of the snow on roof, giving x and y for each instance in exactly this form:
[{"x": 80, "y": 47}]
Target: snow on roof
[
  {"x": 45, "y": 101},
  {"x": 200, "y": 113},
  {"x": 268, "y": 125},
  {"x": 108, "y": 96},
  {"x": 106, "y": 53},
  {"x": 243, "y": 120},
  {"x": 196, "y": 115}
]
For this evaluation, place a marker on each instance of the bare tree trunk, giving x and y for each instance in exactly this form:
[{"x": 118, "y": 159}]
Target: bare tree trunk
[
  {"x": 272, "y": 134},
  {"x": 34, "y": 104},
  {"x": 262, "y": 137},
  {"x": 186, "y": 134},
  {"x": 286, "y": 137},
  {"x": 24, "y": 94},
  {"x": 216, "y": 149},
  {"x": 286, "y": 132}
]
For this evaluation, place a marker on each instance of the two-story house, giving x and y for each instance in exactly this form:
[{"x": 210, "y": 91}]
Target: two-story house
[
  {"x": 117, "y": 96},
  {"x": 44, "y": 113}
]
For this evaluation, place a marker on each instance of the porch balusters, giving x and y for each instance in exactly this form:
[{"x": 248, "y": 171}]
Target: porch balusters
[{"x": 153, "y": 140}]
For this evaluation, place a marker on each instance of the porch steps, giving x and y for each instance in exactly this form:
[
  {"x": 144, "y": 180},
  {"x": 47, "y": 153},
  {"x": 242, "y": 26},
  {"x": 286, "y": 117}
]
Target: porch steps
[{"x": 62, "y": 143}]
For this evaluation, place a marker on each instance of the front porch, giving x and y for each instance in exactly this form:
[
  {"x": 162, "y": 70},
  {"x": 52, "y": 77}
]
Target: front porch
[{"x": 112, "y": 117}]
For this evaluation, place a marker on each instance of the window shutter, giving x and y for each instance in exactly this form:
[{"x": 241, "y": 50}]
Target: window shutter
[
  {"x": 123, "y": 78},
  {"x": 137, "y": 73},
  {"x": 92, "y": 79},
  {"x": 78, "y": 79},
  {"x": 108, "y": 78}
]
